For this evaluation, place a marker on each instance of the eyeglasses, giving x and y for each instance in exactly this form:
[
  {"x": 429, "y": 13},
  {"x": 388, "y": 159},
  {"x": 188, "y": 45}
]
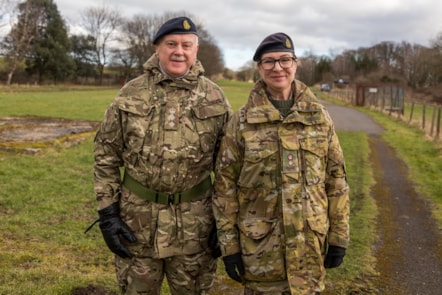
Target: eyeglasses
[{"x": 284, "y": 62}]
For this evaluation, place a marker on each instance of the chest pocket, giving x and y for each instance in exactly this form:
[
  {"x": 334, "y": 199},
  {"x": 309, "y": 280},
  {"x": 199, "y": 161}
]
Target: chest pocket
[
  {"x": 260, "y": 161},
  {"x": 313, "y": 152},
  {"x": 136, "y": 121},
  {"x": 208, "y": 123}
]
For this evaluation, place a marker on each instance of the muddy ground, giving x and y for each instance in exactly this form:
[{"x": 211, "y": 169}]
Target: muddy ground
[
  {"x": 31, "y": 134},
  {"x": 409, "y": 246}
]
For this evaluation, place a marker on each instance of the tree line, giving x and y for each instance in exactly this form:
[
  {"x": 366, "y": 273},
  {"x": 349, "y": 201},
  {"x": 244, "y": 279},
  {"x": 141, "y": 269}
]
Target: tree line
[
  {"x": 41, "y": 48},
  {"x": 411, "y": 66}
]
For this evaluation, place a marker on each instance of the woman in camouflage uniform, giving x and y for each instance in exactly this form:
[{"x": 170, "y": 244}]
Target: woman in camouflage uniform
[
  {"x": 164, "y": 129},
  {"x": 281, "y": 197}
]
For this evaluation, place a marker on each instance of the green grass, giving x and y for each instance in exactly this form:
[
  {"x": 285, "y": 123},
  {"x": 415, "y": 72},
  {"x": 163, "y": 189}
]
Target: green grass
[
  {"x": 47, "y": 200},
  {"x": 420, "y": 115},
  {"x": 236, "y": 92},
  {"x": 78, "y": 103},
  {"x": 88, "y": 104},
  {"x": 354, "y": 276}
]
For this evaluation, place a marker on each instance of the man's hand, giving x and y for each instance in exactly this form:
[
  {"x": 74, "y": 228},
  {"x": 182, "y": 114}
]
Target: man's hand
[
  {"x": 234, "y": 266},
  {"x": 112, "y": 227},
  {"x": 335, "y": 256}
]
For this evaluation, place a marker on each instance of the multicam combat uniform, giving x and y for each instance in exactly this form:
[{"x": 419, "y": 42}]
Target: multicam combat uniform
[
  {"x": 165, "y": 134},
  {"x": 281, "y": 192}
]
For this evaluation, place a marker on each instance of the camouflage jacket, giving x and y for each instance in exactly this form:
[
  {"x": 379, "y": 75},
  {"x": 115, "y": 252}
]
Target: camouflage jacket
[
  {"x": 165, "y": 134},
  {"x": 277, "y": 177}
]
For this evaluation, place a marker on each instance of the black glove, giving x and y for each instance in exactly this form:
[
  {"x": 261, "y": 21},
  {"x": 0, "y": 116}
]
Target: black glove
[
  {"x": 213, "y": 242},
  {"x": 234, "y": 266},
  {"x": 112, "y": 227},
  {"x": 335, "y": 256}
]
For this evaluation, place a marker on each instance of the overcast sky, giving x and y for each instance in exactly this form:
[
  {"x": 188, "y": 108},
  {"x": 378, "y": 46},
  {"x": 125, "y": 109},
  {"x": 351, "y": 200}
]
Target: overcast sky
[{"x": 318, "y": 26}]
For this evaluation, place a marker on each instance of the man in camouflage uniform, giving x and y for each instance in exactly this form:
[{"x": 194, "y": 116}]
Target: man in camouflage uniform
[
  {"x": 164, "y": 129},
  {"x": 281, "y": 198}
]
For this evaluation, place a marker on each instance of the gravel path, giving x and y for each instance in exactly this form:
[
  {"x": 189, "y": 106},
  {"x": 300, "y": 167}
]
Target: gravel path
[{"x": 409, "y": 248}]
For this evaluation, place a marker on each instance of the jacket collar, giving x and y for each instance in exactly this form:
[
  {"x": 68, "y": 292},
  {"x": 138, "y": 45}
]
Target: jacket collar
[{"x": 306, "y": 109}]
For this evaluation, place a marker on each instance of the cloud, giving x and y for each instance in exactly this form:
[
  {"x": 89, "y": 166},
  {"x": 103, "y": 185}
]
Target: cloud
[{"x": 317, "y": 26}]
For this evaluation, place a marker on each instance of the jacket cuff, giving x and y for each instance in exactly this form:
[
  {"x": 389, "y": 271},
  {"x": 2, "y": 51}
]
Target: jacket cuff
[
  {"x": 230, "y": 249},
  {"x": 336, "y": 240}
]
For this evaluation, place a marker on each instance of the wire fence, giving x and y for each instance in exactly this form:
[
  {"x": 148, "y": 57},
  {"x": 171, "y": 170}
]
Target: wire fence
[{"x": 391, "y": 100}]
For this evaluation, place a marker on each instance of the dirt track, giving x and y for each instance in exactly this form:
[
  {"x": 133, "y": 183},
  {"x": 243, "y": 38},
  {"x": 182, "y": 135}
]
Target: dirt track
[{"x": 409, "y": 247}]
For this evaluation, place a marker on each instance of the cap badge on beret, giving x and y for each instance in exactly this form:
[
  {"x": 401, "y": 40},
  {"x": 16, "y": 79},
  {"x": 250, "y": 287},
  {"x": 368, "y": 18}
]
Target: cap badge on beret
[
  {"x": 178, "y": 25},
  {"x": 186, "y": 25},
  {"x": 288, "y": 44}
]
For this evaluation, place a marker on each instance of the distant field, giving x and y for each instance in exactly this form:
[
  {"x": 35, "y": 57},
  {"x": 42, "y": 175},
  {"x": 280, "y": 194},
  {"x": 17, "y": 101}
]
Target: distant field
[
  {"x": 84, "y": 104},
  {"x": 88, "y": 104}
]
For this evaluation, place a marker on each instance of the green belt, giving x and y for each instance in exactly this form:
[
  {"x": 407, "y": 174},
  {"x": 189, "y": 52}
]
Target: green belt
[{"x": 195, "y": 193}]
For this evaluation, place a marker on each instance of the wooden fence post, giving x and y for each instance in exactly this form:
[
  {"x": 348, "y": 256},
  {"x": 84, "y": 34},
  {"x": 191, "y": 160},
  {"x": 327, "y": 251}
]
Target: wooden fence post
[
  {"x": 438, "y": 123},
  {"x": 433, "y": 117},
  {"x": 411, "y": 112}
]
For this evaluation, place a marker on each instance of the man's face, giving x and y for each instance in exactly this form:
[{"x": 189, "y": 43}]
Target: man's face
[{"x": 177, "y": 52}]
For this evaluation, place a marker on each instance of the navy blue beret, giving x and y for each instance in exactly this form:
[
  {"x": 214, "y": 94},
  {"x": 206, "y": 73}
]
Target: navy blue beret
[
  {"x": 178, "y": 25},
  {"x": 274, "y": 43}
]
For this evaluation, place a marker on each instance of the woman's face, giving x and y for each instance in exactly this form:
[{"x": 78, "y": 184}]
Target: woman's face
[{"x": 278, "y": 69}]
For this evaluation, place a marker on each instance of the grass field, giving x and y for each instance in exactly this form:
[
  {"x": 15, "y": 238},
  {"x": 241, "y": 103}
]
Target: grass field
[{"x": 47, "y": 200}]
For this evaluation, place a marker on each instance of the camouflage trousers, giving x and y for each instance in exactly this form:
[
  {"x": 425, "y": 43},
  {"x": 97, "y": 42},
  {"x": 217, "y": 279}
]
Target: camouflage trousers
[{"x": 186, "y": 274}]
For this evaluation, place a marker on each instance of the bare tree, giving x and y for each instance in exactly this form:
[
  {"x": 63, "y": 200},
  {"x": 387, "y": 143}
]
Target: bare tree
[
  {"x": 436, "y": 45},
  {"x": 306, "y": 69},
  {"x": 248, "y": 72},
  {"x": 384, "y": 53},
  {"x": 209, "y": 53},
  {"x": 136, "y": 37},
  {"x": 17, "y": 43},
  {"x": 101, "y": 23},
  {"x": 343, "y": 65}
]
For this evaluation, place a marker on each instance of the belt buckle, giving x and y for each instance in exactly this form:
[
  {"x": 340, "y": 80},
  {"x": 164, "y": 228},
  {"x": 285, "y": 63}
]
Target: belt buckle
[{"x": 171, "y": 199}]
